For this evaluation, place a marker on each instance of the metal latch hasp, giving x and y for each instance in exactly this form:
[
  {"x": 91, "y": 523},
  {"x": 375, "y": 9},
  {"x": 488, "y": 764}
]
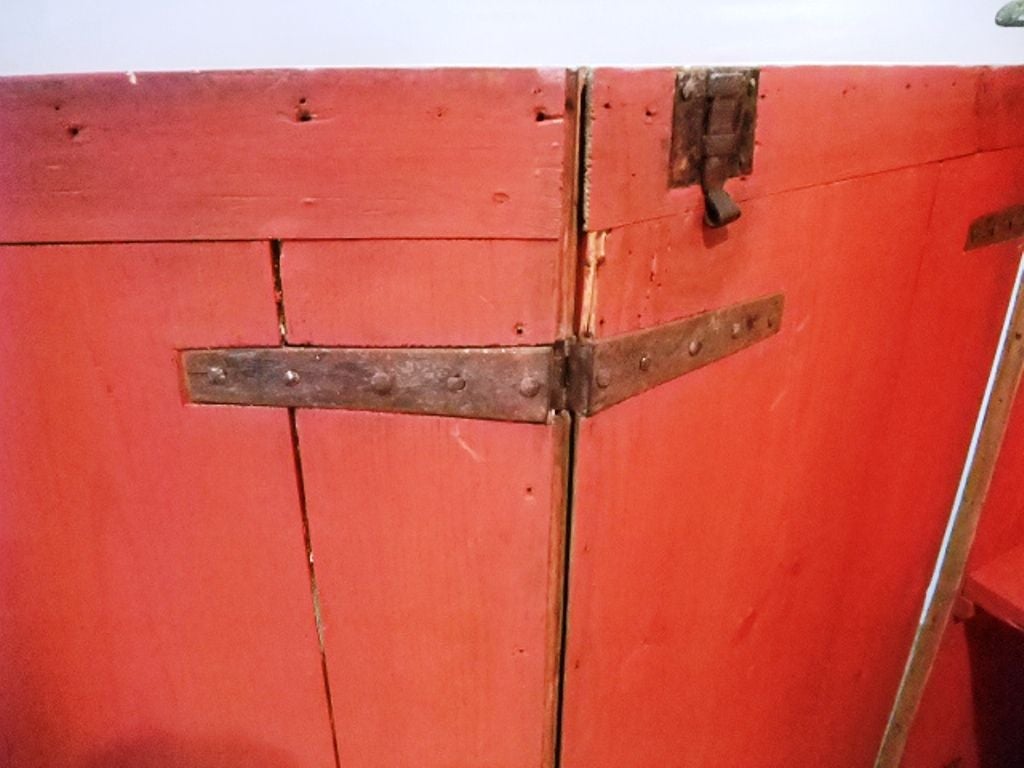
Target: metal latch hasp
[{"x": 713, "y": 123}]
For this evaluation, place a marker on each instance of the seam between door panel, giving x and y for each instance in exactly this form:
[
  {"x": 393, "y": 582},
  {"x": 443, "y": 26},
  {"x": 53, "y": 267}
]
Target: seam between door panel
[{"x": 300, "y": 483}]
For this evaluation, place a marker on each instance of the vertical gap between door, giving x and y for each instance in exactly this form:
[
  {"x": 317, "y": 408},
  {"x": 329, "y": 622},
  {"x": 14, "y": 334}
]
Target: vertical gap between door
[
  {"x": 300, "y": 482},
  {"x": 578, "y": 214},
  {"x": 569, "y": 491}
]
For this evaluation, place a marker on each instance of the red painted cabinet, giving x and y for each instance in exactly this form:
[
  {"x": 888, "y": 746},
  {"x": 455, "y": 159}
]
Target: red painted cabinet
[{"x": 678, "y": 527}]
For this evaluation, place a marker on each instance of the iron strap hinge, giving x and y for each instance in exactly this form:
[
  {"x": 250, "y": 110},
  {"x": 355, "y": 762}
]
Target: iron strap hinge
[
  {"x": 713, "y": 120},
  {"x": 501, "y": 383}
]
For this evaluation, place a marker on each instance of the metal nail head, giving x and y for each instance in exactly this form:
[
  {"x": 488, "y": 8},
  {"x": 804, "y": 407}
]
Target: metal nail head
[
  {"x": 529, "y": 387},
  {"x": 382, "y": 383}
]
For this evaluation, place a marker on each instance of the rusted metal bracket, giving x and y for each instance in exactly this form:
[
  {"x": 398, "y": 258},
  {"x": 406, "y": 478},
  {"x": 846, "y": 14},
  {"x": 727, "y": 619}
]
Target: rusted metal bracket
[
  {"x": 713, "y": 124},
  {"x": 501, "y": 383},
  {"x": 505, "y": 383},
  {"x": 608, "y": 371},
  {"x": 1007, "y": 224}
]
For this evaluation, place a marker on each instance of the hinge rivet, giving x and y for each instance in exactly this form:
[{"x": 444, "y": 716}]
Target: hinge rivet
[
  {"x": 381, "y": 382},
  {"x": 529, "y": 387},
  {"x": 645, "y": 362},
  {"x": 291, "y": 378},
  {"x": 216, "y": 375},
  {"x": 455, "y": 383},
  {"x": 603, "y": 378},
  {"x": 695, "y": 347}
]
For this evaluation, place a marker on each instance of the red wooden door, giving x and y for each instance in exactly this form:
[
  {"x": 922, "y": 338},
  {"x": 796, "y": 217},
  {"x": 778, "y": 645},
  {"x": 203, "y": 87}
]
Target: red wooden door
[
  {"x": 156, "y": 599},
  {"x": 751, "y": 543},
  {"x": 187, "y": 583},
  {"x": 197, "y": 585}
]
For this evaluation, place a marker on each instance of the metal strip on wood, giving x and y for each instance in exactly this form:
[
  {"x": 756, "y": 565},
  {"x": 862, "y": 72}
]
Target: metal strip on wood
[
  {"x": 503, "y": 383},
  {"x": 499, "y": 383},
  {"x": 1007, "y": 224},
  {"x": 611, "y": 370}
]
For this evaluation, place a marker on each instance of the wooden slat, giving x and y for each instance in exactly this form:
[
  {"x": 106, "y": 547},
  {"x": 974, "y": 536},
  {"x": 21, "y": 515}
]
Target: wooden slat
[
  {"x": 752, "y": 543},
  {"x": 153, "y": 575},
  {"x": 437, "y": 546},
  {"x": 438, "y": 542},
  {"x": 422, "y": 293},
  {"x": 815, "y": 125},
  {"x": 299, "y": 154}
]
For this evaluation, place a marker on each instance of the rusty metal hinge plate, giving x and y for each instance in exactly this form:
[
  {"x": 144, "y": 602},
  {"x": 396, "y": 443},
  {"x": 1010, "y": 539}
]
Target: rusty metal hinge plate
[
  {"x": 713, "y": 121},
  {"x": 501, "y": 383},
  {"x": 1007, "y": 224},
  {"x": 611, "y": 370},
  {"x": 504, "y": 383}
]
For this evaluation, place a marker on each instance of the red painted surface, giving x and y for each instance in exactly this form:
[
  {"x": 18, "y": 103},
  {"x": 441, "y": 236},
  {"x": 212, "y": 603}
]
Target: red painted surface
[
  {"x": 975, "y": 687},
  {"x": 998, "y": 587},
  {"x": 1000, "y": 103},
  {"x": 751, "y": 543},
  {"x": 815, "y": 125},
  {"x": 274, "y": 154},
  {"x": 438, "y": 555},
  {"x": 433, "y": 292},
  {"x": 156, "y": 604},
  {"x": 438, "y": 543}
]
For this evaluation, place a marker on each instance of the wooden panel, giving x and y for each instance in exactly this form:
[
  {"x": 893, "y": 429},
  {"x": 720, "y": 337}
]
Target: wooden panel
[
  {"x": 814, "y": 125},
  {"x": 751, "y": 543},
  {"x": 419, "y": 292},
  {"x": 438, "y": 543},
  {"x": 152, "y": 568},
  {"x": 322, "y": 153},
  {"x": 1000, "y": 105},
  {"x": 998, "y": 587},
  {"x": 1001, "y": 528},
  {"x": 957, "y": 716},
  {"x": 944, "y": 726},
  {"x": 974, "y": 721},
  {"x": 438, "y": 550}
]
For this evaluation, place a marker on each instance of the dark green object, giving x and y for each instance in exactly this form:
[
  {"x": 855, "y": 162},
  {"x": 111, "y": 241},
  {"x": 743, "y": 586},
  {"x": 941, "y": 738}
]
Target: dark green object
[{"x": 1011, "y": 14}]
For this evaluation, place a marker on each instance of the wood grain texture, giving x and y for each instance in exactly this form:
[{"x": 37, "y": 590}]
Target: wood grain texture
[
  {"x": 439, "y": 543},
  {"x": 1000, "y": 105},
  {"x": 155, "y": 594},
  {"x": 423, "y": 292},
  {"x": 731, "y": 591},
  {"x": 286, "y": 154},
  {"x": 950, "y": 720},
  {"x": 815, "y": 125},
  {"x": 968, "y": 188},
  {"x": 438, "y": 556}
]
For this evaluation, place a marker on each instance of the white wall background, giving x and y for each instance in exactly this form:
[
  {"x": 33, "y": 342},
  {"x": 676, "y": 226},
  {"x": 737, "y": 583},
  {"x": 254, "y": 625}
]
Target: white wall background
[{"x": 50, "y": 36}]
